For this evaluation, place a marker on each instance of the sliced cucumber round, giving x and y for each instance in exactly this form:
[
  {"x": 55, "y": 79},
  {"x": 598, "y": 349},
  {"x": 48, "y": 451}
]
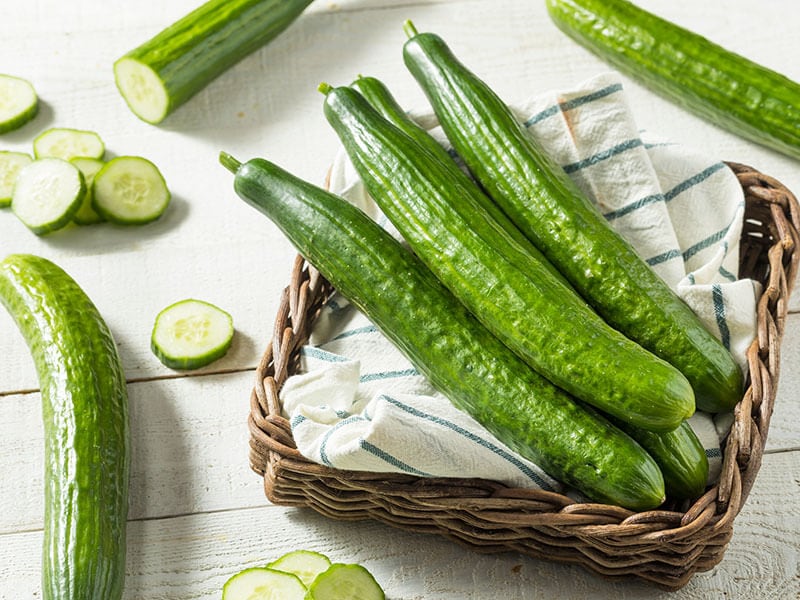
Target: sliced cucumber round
[
  {"x": 130, "y": 190},
  {"x": 18, "y": 103},
  {"x": 143, "y": 89},
  {"x": 11, "y": 163},
  {"x": 306, "y": 564},
  {"x": 47, "y": 194},
  {"x": 263, "y": 583},
  {"x": 345, "y": 582},
  {"x": 89, "y": 167},
  {"x": 62, "y": 142},
  {"x": 191, "y": 334}
]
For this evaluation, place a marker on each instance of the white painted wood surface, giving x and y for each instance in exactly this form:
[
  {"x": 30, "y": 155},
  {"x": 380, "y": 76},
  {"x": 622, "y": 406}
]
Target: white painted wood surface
[{"x": 198, "y": 514}]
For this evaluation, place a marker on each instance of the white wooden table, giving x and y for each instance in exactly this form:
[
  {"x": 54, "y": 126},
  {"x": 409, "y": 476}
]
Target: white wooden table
[{"x": 197, "y": 512}]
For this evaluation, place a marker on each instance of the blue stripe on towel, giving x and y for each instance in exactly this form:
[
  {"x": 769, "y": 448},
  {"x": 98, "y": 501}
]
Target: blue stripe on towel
[
  {"x": 388, "y": 458},
  {"x": 713, "y": 453},
  {"x": 636, "y": 205},
  {"x": 574, "y": 103},
  {"x": 719, "y": 314},
  {"x": 530, "y": 473},
  {"x": 356, "y": 331},
  {"x": 663, "y": 257},
  {"x": 323, "y": 455},
  {"x": 320, "y": 354},
  {"x": 387, "y": 375},
  {"x": 604, "y": 155}
]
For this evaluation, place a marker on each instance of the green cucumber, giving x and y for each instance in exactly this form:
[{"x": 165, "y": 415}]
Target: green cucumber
[
  {"x": 262, "y": 583},
  {"x": 547, "y": 206},
  {"x": 460, "y": 357},
  {"x": 513, "y": 294},
  {"x": 305, "y": 564},
  {"x": 11, "y": 163},
  {"x": 165, "y": 71},
  {"x": 345, "y": 582},
  {"x": 47, "y": 193},
  {"x": 720, "y": 86},
  {"x": 89, "y": 167},
  {"x": 85, "y": 413},
  {"x": 18, "y": 103},
  {"x": 66, "y": 143},
  {"x": 130, "y": 190},
  {"x": 190, "y": 334}
]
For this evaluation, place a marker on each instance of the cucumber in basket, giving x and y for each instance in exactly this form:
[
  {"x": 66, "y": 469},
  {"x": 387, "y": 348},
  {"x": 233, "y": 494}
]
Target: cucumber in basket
[
  {"x": 47, "y": 193},
  {"x": 551, "y": 211},
  {"x": 18, "y": 103},
  {"x": 514, "y": 295},
  {"x": 458, "y": 355},
  {"x": 85, "y": 413},
  {"x": 725, "y": 88}
]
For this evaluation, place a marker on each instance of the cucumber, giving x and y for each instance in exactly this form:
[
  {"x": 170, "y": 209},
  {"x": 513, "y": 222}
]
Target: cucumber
[
  {"x": 66, "y": 143},
  {"x": 547, "y": 206},
  {"x": 18, "y": 103},
  {"x": 47, "y": 193},
  {"x": 130, "y": 190},
  {"x": 11, "y": 163},
  {"x": 85, "y": 413},
  {"x": 720, "y": 86},
  {"x": 262, "y": 583},
  {"x": 345, "y": 582},
  {"x": 519, "y": 300},
  {"x": 190, "y": 334},
  {"x": 459, "y": 357},
  {"x": 89, "y": 167},
  {"x": 165, "y": 71},
  {"x": 305, "y": 564}
]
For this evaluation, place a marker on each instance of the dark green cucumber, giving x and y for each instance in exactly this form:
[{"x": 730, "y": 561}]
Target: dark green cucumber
[
  {"x": 551, "y": 211},
  {"x": 512, "y": 293},
  {"x": 721, "y": 86},
  {"x": 459, "y": 356},
  {"x": 85, "y": 412},
  {"x": 167, "y": 70}
]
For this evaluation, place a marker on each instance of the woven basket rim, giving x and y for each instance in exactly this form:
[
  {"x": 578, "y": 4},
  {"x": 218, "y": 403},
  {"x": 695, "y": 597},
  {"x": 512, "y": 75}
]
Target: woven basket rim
[{"x": 769, "y": 240}]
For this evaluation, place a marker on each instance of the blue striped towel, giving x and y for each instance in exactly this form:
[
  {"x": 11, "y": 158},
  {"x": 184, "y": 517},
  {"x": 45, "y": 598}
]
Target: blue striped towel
[{"x": 358, "y": 403}]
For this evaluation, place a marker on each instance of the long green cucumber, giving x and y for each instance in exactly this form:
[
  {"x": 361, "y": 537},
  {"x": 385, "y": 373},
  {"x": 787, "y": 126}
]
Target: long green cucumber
[
  {"x": 720, "y": 86},
  {"x": 514, "y": 295},
  {"x": 165, "y": 71},
  {"x": 550, "y": 210},
  {"x": 85, "y": 413},
  {"x": 441, "y": 339}
]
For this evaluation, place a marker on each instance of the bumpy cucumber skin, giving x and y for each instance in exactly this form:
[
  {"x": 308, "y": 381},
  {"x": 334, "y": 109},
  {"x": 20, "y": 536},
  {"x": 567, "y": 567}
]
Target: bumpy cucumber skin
[
  {"x": 199, "y": 47},
  {"x": 517, "y": 299},
  {"x": 552, "y": 212},
  {"x": 725, "y": 88},
  {"x": 84, "y": 402},
  {"x": 459, "y": 356}
]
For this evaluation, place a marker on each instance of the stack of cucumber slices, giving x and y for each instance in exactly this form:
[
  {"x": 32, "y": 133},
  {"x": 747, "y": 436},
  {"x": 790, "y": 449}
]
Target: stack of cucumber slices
[{"x": 67, "y": 179}]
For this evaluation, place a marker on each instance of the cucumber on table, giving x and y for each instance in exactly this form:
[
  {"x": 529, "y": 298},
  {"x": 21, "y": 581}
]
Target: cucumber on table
[
  {"x": 85, "y": 414},
  {"x": 11, "y": 163},
  {"x": 47, "y": 193},
  {"x": 513, "y": 293},
  {"x": 721, "y": 86},
  {"x": 551, "y": 211},
  {"x": 67, "y": 143},
  {"x": 130, "y": 190},
  {"x": 165, "y": 71},
  {"x": 459, "y": 356},
  {"x": 89, "y": 167},
  {"x": 263, "y": 583},
  {"x": 305, "y": 564},
  {"x": 18, "y": 103},
  {"x": 345, "y": 582}
]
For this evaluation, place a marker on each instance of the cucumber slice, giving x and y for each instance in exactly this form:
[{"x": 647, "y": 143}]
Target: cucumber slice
[
  {"x": 89, "y": 167},
  {"x": 11, "y": 163},
  {"x": 345, "y": 582},
  {"x": 61, "y": 142},
  {"x": 130, "y": 190},
  {"x": 18, "y": 103},
  {"x": 263, "y": 583},
  {"x": 191, "y": 334},
  {"x": 305, "y": 564},
  {"x": 47, "y": 193}
]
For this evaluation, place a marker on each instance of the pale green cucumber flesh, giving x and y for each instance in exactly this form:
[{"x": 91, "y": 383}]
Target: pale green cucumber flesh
[
  {"x": 190, "y": 334},
  {"x": 130, "y": 190},
  {"x": 66, "y": 143},
  {"x": 262, "y": 583},
  {"x": 11, "y": 163},
  {"x": 305, "y": 564},
  {"x": 47, "y": 193},
  {"x": 86, "y": 435},
  {"x": 458, "y": 356},
  {"x": 345, "y": 582},
  {"x": 18, "y": 103},
  {"x": 89, "y": 167}
]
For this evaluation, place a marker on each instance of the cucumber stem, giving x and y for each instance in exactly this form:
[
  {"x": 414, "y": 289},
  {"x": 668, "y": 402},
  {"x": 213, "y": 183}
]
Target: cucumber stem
[
  {"x": 229, "y": 162},
  {"x": 410, "y": 29},
  {"x": 325, "y": 88}
]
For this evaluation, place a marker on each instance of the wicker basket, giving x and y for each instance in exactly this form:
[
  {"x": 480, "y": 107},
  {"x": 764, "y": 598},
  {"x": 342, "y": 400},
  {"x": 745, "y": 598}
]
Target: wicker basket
[{"x": 665, "y": 546}]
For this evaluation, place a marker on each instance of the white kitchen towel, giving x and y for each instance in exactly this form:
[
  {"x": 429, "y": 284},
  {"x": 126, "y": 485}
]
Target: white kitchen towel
[{"x": 358, "y": 404}]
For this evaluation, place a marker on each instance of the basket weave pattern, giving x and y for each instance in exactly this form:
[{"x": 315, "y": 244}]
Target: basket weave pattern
[{"x": 665, "y": 546}]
